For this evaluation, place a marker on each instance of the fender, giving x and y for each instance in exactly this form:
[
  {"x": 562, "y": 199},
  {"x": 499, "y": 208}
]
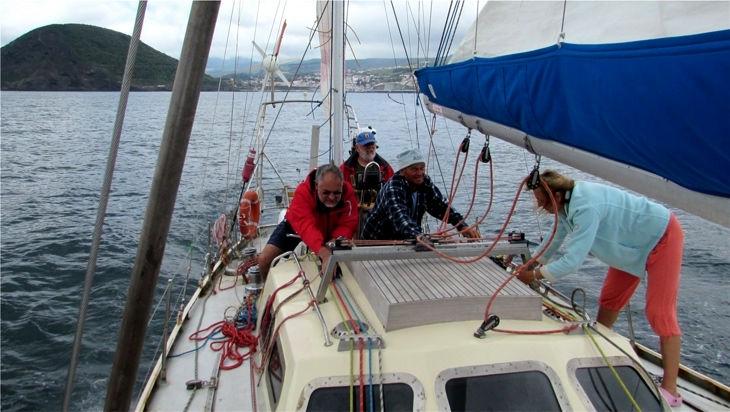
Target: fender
[{"x": 249, "y": 214}]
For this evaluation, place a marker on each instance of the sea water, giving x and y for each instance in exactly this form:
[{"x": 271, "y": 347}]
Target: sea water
[{"x": 54, "y": 148}]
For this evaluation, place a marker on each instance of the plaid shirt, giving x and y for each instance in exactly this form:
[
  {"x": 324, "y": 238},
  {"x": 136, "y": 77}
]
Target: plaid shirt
[{"x": 399, "y": 210}]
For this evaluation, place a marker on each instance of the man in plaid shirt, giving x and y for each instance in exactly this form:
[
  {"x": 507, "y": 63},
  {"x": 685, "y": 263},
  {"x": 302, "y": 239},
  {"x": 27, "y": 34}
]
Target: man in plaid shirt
[{"x": 404, "y": 199}]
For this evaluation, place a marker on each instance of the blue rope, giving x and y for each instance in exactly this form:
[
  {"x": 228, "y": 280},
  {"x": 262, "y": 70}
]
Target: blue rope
[
  {"x": 352, "y": 307},
  {"x": 370, "y": 375},
  {"x": 207, "y": 338}
]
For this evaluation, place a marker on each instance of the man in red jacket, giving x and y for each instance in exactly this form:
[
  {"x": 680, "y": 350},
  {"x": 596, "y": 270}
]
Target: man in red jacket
[{"x": 324, "y": 208}]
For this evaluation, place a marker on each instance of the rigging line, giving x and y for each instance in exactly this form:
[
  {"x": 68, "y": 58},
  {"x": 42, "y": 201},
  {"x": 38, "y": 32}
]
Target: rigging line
[
  {"x": 195, "y": 363},
  {"x": 309, "y": 44},
  {"x": 408, "y": 33},
  {"x": 397, "y": 24},
  {"x": 448, "y": 25},
  {"x": 357, "y": 313},
  {"x": 535, "y": 213},
  {"x": 453, "y": 33},
  {"x": 562, "y": 23},
  {"x": 443, "y": 34},
  {"x": 233, "y": 105},
  {"x": 395, "y": 60},
  {"x": 273, "y": 25},
  {"x": 209, "y": 142},
  {"x": 636, "y": 363},
  {"x": 615, "y": 374},
  {"x": 330, "y": 77},
  {"x": 250, "y": 71},
  {"x": 244, "y": 117},
  {"x": 448, "y": 132},
  {"x": 423, "y": 112},
  {"x": 417, "y": 24},
  {"x": 184, "y": 290},
  {"x": 476, "y": 30},
  {"x": 410, "y": 67},
  {"x": 428, "y": 36},
  {"x": 103, "y": 200}
]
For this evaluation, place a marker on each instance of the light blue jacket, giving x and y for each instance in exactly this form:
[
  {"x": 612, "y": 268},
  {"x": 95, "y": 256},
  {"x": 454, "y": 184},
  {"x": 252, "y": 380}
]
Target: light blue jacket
[{"x": 616, "y": 227}]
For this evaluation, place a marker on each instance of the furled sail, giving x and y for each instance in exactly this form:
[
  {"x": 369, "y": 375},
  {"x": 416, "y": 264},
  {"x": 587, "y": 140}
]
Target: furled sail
[
  {"x": 325, "y": 35},
  {"x": 637, "y": 94}
]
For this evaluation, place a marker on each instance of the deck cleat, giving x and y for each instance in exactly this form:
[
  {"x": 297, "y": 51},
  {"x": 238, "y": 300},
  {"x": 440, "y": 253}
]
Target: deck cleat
[{"x": 490, "y": 323}]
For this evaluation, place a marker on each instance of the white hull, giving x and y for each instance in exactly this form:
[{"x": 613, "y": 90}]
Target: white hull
[{"x": 424, "y": 357}]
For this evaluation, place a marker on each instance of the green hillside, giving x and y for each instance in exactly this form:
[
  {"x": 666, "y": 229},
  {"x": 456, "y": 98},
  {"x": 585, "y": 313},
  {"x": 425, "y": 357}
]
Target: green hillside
[{"x": 68, "y": 57}]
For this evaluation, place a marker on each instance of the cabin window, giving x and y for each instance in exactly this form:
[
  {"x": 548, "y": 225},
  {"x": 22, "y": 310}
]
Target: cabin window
[
  {"x": 519, "y": 391},
  {"x": 275, "y": 374},
  {"x": 396, "y": 397},
  {"x": 401, "y": 392},
  {"x": 509, "y": 386},
  {"x": 606, "y": 394}
]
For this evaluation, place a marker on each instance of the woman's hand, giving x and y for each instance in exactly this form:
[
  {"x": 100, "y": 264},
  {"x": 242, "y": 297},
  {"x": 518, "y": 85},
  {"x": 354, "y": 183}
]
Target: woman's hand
[{"x": 528, "y": 276}]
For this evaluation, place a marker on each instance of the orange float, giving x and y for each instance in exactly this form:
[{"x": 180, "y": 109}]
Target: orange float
[{"x": 249, "y": 214}]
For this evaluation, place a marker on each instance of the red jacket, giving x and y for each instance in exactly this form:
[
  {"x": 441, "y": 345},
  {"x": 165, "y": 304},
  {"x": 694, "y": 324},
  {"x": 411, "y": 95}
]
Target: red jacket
[
  {"x": 317, "y": 224},
  {"x": 348, "y": 168}
]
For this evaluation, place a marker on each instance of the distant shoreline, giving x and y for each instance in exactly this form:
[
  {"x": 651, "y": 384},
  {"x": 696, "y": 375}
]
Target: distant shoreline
[{"x": 203, "y": 91}]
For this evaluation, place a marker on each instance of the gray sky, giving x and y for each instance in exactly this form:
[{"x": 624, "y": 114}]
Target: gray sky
[{"x": 165, "y": 22}]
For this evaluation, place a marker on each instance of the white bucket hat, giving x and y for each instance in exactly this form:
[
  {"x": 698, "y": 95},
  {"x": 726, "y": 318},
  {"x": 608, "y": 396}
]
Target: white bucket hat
[{"x": 408, "y": 158}]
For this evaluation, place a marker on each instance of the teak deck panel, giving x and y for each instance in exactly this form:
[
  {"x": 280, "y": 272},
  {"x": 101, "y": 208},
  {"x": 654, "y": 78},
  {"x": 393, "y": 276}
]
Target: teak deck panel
[{"x": 415, "y": 292}]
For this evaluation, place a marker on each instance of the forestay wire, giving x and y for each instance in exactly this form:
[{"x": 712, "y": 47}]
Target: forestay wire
[{"x": 104, "y": 199}]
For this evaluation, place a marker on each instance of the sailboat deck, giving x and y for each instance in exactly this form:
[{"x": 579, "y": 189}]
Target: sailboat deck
[{"x": 414, "y": 292}]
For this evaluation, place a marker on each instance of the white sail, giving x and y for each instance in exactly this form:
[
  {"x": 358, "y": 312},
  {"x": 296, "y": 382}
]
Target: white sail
[
  {"x": 616, "y": 99},
  {"x": 507, "y": 27},
  {"x": 325, "y": 35}
]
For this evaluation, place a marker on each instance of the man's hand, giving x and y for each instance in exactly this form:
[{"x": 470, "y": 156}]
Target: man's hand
[
  {"x": 324, "y": 253},
  {"x": 423, "y": 243},
  {"x": 471, "y": 233}
]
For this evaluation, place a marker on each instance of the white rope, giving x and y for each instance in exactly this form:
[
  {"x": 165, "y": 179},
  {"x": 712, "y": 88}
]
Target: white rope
[{"x": 104, "y": 200}]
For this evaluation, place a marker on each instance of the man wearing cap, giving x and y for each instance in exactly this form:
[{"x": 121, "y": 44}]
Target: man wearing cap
[
  {"x": 404, "y": 199},
  {"x": 353, "y": 168}
]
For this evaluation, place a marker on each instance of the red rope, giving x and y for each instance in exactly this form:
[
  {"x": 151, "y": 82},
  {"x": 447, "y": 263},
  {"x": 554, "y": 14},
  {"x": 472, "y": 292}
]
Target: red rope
[
  {"x": 529, "y": 263},
  {"x": 471, "y": 203},
  {"x": 565, "y": 329},
  {"x": 454, "y": 186},
  {"x": 496, "y": 239},
  {"x": 361, "y": 351},
  {"x": 268, "y": 351},
  {"x": 353, "y": 325},
  {"x": 235, "y": 339}
]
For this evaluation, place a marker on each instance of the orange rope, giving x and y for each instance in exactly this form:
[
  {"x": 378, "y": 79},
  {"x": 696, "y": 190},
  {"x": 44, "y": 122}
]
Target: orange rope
[{"x": 454, "y": 185}]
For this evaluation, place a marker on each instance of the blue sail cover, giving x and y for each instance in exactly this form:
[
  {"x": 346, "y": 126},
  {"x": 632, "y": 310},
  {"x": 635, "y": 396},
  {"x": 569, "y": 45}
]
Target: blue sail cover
[{"x": 661, "y": 105}]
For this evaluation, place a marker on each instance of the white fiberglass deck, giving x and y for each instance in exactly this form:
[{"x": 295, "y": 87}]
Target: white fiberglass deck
[{"x": 414, "y": 292}]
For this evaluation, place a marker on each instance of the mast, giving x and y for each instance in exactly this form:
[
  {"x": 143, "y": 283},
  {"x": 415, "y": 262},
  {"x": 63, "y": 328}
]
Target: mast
[
  {"x": 176, "y": 135},
  {"x": 337, "y": 90}
]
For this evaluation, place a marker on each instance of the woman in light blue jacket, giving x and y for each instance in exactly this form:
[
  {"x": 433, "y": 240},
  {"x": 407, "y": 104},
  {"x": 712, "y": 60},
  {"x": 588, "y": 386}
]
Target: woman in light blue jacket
[{"x": 636, "y": 237}]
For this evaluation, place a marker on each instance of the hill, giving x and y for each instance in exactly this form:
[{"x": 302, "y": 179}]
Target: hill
[{"x": 77, "y": 57}]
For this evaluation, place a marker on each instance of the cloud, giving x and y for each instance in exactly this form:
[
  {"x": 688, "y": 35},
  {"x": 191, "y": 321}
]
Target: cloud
[{"x": 166, "y": 20}]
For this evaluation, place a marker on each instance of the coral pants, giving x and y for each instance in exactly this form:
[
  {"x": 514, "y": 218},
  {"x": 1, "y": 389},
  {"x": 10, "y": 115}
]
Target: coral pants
[{"x": 663, "y": 267}]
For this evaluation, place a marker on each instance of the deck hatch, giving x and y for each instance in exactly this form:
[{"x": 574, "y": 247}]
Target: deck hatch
[{"x": 413, "y": 292}]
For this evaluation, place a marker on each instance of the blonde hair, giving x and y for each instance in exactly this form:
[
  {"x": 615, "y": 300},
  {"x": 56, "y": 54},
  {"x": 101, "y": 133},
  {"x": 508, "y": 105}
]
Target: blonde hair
[{"x": 557, "y": 182}]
